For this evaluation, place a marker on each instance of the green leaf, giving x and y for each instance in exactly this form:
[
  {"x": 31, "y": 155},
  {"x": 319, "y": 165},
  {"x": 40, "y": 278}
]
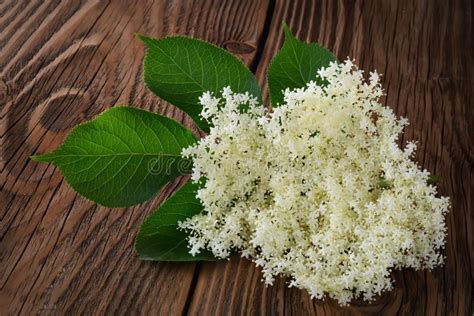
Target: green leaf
[
  {"x": 432, "y": 179},
  {"x": 180, "y": 69},
  {"x": 295, "y": 65},
  {"x": 159, "y": 239},
  {"x": 123, "y": 157},
  {"x": 384, "y": 183}
]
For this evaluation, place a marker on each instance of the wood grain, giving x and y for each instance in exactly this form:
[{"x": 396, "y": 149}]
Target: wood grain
[{"x": 62, "y": 62}]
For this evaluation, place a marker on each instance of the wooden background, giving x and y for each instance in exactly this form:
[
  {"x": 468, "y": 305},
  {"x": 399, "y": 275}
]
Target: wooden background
[{"x": 63, "y": 62}]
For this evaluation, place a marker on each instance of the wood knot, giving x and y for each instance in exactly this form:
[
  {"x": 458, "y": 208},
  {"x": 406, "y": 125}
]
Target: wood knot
[
  {"x": 64, "y": 109},
  {"x": 239, "y": 47}
]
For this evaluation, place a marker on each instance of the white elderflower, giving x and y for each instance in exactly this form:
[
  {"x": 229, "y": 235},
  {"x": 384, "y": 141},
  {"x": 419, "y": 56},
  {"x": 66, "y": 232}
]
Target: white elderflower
[{"x": 317, "y": 190}]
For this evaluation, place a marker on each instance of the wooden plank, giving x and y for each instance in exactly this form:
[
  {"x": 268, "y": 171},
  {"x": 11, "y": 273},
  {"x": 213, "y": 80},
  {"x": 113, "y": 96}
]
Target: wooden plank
[
  {"x": 61, "y": 63},
  {"x": 60, "y": 253},
  {"x": 424, "y": 51}
]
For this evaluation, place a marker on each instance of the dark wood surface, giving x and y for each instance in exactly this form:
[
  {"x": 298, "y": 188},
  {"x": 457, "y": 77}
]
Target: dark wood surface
[{"x": 63, "y": 62}]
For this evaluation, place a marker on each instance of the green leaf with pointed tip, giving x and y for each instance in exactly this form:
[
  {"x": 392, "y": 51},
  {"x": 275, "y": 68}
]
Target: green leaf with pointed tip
[
  {"x": 123, "y": 157},
  {"x": 159, "y": 238},
  {"x": 295, "y": 65},
  {"x": 180, "y": 69}
]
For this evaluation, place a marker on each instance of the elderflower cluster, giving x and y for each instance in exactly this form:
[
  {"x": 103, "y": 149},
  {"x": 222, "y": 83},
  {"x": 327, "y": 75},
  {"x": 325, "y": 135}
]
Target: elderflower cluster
[{"x": 317, "y": 189}]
